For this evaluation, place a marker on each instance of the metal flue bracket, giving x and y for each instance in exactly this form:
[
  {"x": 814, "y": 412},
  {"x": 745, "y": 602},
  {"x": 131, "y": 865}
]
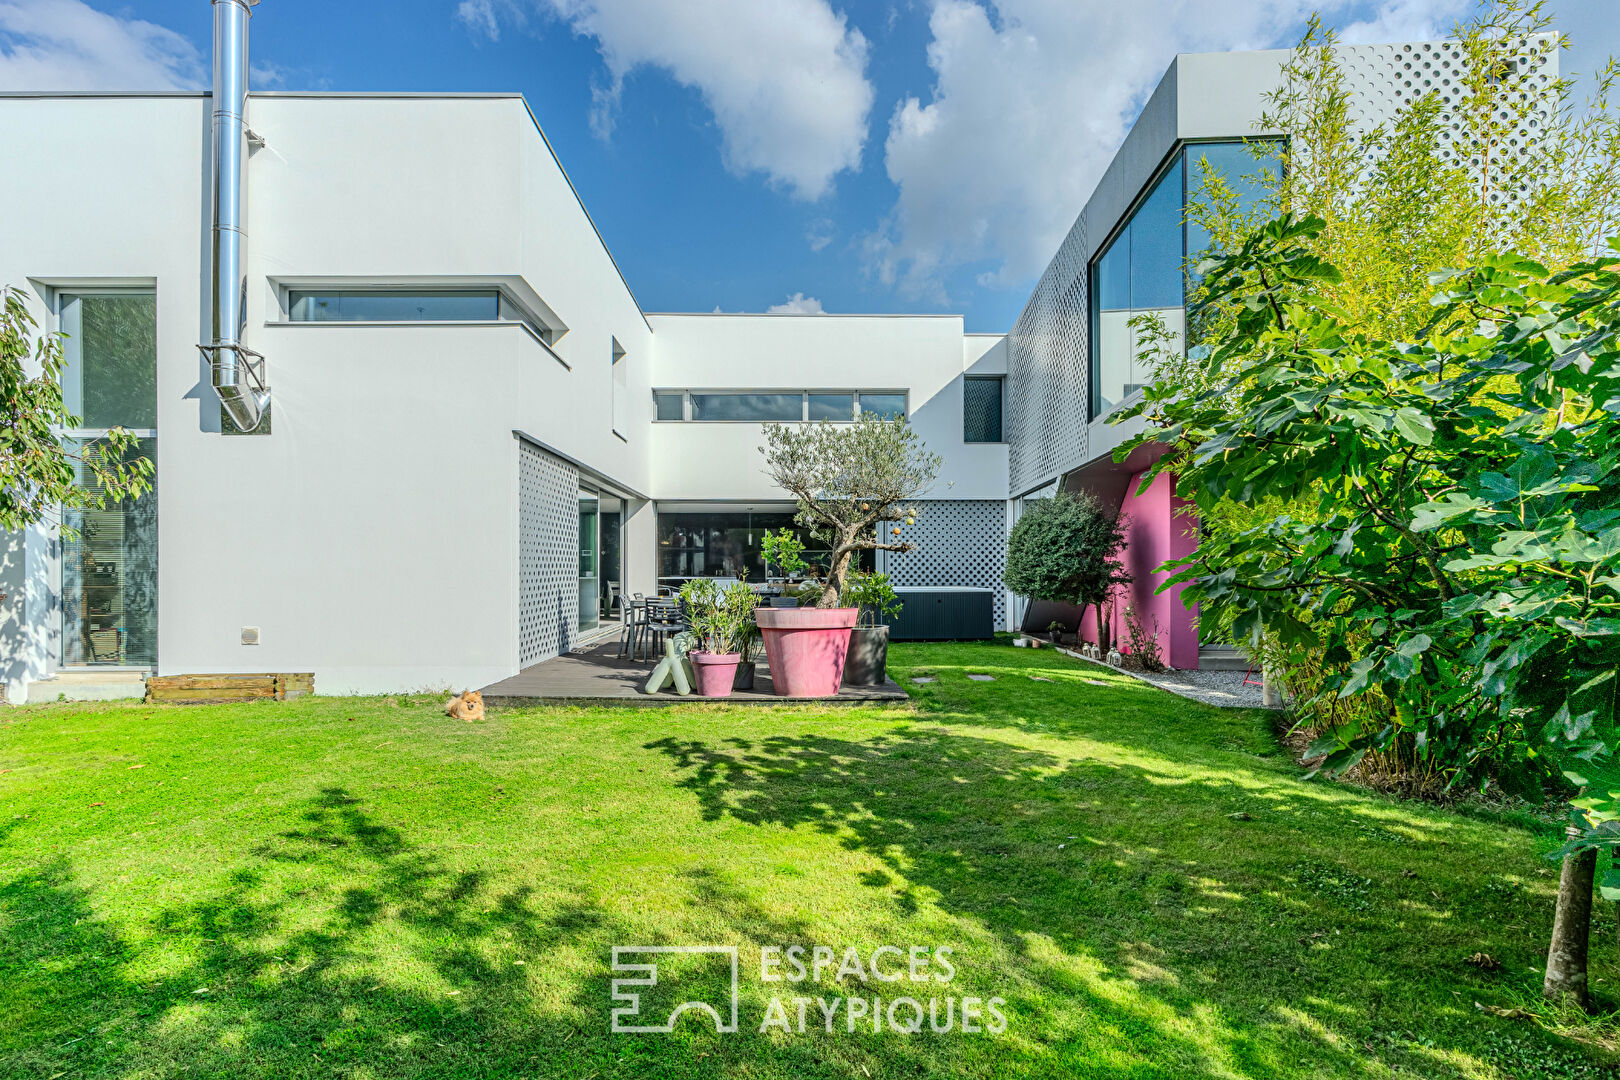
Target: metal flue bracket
[{"x": 237, "y": 373}]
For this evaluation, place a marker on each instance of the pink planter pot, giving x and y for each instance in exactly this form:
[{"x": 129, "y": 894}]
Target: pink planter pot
[
  {"x": 806, "y": 647},
  {"x": 715, "y": 672}
]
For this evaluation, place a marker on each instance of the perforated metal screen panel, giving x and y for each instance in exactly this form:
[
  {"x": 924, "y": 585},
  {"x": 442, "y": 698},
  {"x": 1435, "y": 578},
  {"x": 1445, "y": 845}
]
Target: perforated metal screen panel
[
  {"x": 960, "y": 543},
  {"x": 548, "y": 555},
  {"x": 1047, "y": 353},
  {"x": 1049, "y": 347}
]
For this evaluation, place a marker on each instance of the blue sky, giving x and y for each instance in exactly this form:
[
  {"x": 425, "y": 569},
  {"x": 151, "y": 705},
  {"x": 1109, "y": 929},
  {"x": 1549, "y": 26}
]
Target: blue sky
[{"x": 872, "y": 156}]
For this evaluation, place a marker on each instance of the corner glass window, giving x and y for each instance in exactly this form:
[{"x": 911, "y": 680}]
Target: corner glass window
[
  {"x": 445, "y": 305},
  {"x": 887, "y": 406},
  {"x": 1239, "y": 169},
  {"x": 1138, "y": 273},
  {"x": 747, "y": 406},
  {"x": 832, "y": 406},
  {"x": 981, "y": 409},
  {"x": 670, "y": 405}
]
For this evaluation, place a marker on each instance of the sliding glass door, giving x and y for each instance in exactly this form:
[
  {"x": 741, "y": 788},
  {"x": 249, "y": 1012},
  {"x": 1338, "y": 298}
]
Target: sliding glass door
[
  {"x": 590, "y": 512},
  {"x": 109, "y": 555}
]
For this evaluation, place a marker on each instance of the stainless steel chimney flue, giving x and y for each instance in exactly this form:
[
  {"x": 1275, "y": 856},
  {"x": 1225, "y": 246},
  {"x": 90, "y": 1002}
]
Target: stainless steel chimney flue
[{"x": 238, "y": 372}]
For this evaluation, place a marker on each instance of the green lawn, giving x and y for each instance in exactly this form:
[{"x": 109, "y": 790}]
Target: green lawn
[{"x": 365, "y": 888}]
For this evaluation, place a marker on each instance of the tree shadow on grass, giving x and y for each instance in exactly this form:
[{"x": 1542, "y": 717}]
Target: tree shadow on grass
[
  {"x": 1189, "y": 940},
  {"x": 283, "y": 971},
  {"x": 340, "y": 947}
]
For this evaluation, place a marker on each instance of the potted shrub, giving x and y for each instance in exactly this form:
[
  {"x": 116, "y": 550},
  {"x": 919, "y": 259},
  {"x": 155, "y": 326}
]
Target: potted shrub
[
  {"x": 875, "y": 598},
  {"x": 749, "y": 665},
  {"x": 850, "y": 481},
  {"x": 722, "y": 620}
]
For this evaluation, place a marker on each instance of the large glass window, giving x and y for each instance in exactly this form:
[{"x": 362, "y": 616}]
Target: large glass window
[
  {"x": 981, "y": 408},
  {"x": 109, "y": 556},
  {"x": 748, "y": 406},
  {"x": 727, "y": 544},
  {"x": 361, "y": 305}
]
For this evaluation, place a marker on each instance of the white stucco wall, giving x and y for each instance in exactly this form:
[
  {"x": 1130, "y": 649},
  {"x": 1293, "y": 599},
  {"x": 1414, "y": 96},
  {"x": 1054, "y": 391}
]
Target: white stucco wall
[
  {"x": 371, "y": 537},
  {"x": 925, "y": 356}
]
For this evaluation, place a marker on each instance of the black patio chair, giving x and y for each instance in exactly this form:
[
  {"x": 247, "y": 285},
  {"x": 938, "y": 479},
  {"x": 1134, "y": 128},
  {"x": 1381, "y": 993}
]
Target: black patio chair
[
  {"x": 663, "y": 618},
  {"x": 630, "y": 615}
]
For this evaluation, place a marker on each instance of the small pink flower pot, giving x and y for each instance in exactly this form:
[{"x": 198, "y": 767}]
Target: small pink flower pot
[
  {"x": 806, "y": 648},
  {"x": 715, "y": 672}
]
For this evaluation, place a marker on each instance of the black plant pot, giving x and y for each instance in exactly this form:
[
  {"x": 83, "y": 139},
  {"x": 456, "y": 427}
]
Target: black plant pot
[
  {"x": 745, "y": 676},
  {"x": 868, "y": 656}
]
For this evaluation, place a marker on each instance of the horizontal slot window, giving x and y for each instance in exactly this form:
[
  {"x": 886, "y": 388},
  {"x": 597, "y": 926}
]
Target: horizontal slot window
[
  {"x": 776, "y": 406},
  {"x": 670, "y": 406},
  {"x": 832, "y": 406},
  {"x": 449, "y": 305},
  {"x": 747, "y": 407},
  {"x": 886, "y": 406}
]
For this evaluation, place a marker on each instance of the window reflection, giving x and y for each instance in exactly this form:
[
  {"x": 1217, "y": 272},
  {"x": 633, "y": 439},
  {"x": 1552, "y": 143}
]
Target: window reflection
[
  {"x": 886, "y": 406},
  {"x": 747, "y": 406},
  {"x": 726, "y": 544},
  {"x": 378, "y": 306},
  {"x": 1143, "y": 270}
]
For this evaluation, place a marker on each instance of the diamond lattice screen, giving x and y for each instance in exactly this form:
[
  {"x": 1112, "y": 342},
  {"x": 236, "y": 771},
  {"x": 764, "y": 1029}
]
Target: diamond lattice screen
[
  {"x": 548, "y": 555},
  {"x": 959, "y": 542}
]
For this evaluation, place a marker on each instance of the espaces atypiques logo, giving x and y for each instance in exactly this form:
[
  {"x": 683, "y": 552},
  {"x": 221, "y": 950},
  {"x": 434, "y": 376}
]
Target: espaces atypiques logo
[{"x": 815, "y": 988}]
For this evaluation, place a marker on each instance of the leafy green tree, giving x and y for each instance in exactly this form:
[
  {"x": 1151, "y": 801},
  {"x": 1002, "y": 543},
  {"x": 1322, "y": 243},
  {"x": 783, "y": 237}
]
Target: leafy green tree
[
  {"x": 1066, "y": 549},
  {"x": 1459, "y": 549},
  {"x": 849, "y": 479},
  {"x": 40, "y": 474}
]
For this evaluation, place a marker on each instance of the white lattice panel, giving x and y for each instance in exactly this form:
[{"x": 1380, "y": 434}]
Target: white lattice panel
[
  {"x": 548, "y": 555},
  {"x": 959, "y": 542}
]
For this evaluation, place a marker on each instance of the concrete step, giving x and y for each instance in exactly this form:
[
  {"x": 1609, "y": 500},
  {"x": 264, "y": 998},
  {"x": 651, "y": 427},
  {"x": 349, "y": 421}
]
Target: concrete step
[
  {"x": 88, "y": 686},
  {"x": 1221, "y": 658}
]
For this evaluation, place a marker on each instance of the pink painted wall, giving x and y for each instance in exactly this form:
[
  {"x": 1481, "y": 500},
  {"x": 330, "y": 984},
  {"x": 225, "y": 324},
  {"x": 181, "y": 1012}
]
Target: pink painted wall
[{"x": 1157, "y": 531}]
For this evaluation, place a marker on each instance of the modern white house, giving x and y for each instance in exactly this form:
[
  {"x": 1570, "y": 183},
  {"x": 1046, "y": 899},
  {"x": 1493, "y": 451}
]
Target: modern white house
[{"x": 468, "y": 440}]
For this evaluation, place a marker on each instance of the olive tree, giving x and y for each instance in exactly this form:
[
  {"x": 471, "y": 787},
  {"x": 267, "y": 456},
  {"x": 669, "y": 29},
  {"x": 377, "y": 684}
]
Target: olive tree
[
  {"x": 40, "y": 474},
  {"x": 848, "y": 480}
]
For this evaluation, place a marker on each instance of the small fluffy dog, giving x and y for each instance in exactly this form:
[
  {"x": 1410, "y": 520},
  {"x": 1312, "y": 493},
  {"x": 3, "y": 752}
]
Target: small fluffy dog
[{"x": 469, "y": 706}]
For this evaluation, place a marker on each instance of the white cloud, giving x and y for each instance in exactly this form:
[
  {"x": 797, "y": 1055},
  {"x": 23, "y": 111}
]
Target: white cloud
[
  {"x": 785, "y": 79},
  {"x": 68, "y": 45},
  {"x": 480, "y": 16},
  {"x": 797, "y": 304},
  {"x": 820, "y": 233},
  {"x": 1032, "y": 97}
]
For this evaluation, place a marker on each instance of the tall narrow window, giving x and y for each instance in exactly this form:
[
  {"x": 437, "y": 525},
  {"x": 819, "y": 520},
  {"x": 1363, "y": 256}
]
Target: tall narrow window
[
  {"x": 981, "y": 408},
  {"x": 109, "y": 562}
]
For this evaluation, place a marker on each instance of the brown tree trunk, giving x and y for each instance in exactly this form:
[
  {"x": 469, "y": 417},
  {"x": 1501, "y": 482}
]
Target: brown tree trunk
[
  {"x": 837, "y": 569},
  {"x": 1572, "y": 926}
]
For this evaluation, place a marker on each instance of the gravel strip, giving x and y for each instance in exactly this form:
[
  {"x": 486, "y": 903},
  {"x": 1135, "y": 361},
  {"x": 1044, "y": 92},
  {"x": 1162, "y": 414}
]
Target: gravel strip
[{"x": 1222, "y": 688}]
